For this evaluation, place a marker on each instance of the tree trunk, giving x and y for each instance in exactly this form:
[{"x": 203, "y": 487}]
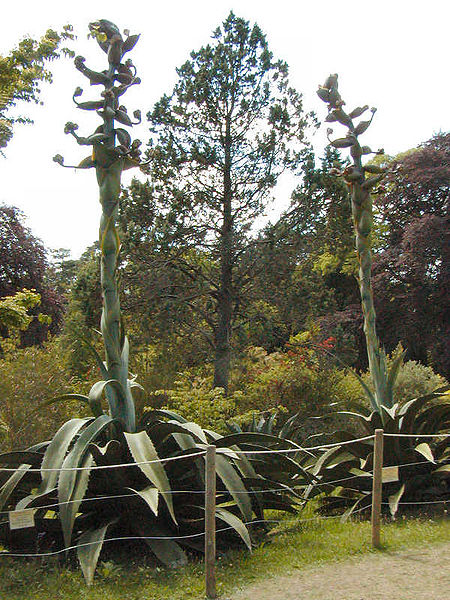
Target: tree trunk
[{"x": 225, "y": 297}]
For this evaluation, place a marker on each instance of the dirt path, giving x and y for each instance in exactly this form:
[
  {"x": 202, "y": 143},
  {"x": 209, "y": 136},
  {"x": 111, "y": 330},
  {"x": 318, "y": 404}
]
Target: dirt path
[{"x": 419, "y": 574}]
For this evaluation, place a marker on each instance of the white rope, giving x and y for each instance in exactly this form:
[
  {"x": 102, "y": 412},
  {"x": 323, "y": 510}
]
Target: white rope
[
  {"x": 417, "y": 435},
  {"x": 180, "y": 537},
  {"x": 173, "y": 492},
  {"x": 301, "y": 448},
  {"x": 130, "y": 538},
  {"x": 97, "y": 467},
  {"x": 219, "y": 450},
  {"x": 427, "y": 502}
]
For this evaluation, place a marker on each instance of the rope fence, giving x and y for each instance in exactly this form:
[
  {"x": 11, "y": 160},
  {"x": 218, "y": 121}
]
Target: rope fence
[{"x": 211, "y": 495}]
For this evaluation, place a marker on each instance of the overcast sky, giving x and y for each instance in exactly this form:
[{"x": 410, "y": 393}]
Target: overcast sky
[{"x": 389, "y": 54}]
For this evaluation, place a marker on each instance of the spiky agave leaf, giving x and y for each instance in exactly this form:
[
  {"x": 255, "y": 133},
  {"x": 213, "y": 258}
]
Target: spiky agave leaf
[
  {"x": 144, "y": 453},
  {"x": 89, "y": 547},
  {"x": 72, "y": 484}
]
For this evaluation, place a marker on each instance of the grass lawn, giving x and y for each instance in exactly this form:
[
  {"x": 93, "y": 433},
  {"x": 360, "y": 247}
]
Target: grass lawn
[{"x": 293, "y": 545}]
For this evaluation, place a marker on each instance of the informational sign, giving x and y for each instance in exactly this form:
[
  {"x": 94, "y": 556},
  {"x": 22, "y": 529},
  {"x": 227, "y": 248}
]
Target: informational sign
[
  {"x": 389, "y": 474},
  {"x": 21, "y": 519}
]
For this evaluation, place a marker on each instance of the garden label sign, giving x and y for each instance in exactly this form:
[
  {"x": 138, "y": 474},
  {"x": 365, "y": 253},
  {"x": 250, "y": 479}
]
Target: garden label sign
[{"x": 21, "y": 519}]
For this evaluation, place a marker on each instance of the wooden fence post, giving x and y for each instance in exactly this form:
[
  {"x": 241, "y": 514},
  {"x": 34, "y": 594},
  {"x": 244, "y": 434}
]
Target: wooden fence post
[
  {"x": 377, "y": 487},
  {"x": 210, "y": 523}
]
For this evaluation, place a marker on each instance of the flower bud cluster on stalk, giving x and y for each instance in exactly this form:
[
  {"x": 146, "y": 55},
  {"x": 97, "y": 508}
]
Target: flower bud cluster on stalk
[
  {"x": 113, "y": 151},
  {"x": 361, "y": 181}
]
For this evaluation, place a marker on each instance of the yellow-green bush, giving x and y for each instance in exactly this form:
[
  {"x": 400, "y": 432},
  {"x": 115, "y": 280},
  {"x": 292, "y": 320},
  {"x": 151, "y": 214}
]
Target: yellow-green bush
[
  {"x": 195, "y": 400},
  {"x": 28, "y": 378}
]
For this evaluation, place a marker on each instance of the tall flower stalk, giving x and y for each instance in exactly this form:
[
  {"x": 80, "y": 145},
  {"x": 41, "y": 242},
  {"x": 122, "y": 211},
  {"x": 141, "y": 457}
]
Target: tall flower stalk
[
  {"x": 112, "y": 152},
  {"x": 361, "y": 181}
]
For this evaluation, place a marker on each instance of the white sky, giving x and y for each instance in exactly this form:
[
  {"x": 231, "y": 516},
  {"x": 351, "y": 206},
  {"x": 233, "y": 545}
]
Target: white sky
[{"x": 389, "y": 54}]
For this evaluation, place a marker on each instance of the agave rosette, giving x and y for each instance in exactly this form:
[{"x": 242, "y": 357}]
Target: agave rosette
[
  {"x": 345, "y": 471},
  {"x": 151, "y": 498}
]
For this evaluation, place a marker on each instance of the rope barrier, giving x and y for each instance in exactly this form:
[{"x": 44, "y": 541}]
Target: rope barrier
[
  {"x": 97, "y": 467},
  {"x": 225, "y": 451},
  {"x": 130, "y": 538},
  {"x": 173, "y": 538},
  {"x": 417, "y": 435},
  {"x": 423, "y": 502},
  {"x": 301, "y": 448}
]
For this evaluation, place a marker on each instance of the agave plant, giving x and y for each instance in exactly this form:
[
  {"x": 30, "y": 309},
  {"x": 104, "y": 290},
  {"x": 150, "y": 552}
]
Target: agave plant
[
  {"x": 345, "y": 471},
  {"x": 157, "y": 500},
  {"x": 429, "y": 414},
  {"x": 106, "y": 476},
  {"x": 266, "y": 422},
  {"x": 361, "y": 180}
]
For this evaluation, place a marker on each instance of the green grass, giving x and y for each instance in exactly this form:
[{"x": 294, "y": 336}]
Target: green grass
[{"x": 294, "y": 545}]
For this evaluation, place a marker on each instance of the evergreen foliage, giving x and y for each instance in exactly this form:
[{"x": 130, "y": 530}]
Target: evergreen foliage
[{"x": 220, "y": 141}]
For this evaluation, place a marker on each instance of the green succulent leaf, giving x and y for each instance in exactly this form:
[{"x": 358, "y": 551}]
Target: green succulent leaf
[
  {"x": 235, "y": 486},
  {"x": 395, "y": 499},
  {"x": 11, "y": 483},
  {"x": 425, "y": 450},
  {"x": 89, "y": 546},
  {"x": 72, "y": 484},
  {"x": 236, "y": 523},
  {"x": 143, "y": 451},
  {"x": 150, "y": 495},
  {"x": 167, "y": 550},
  {"x": 54, "y": 457}
]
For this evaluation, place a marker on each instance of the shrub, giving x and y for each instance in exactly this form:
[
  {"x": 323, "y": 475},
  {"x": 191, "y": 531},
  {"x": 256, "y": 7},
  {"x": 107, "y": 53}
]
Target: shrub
[
  {"x": 416, "y": 380},
  {"x": 297, "y": 382},
  {"x": 28, "y": 378},
  {"x": 195, "y": 400}
]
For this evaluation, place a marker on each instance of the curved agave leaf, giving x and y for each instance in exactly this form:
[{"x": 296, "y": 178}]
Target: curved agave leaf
[
  {"x": 89, "y": 546},
  {"x": 350, "y": 510},
  {"x": 389, "y": 424},
  {"x": 333, "y": 454},
  {"x": 195, "y": 430},
  {"x": 159, "y": 431},
  {"x": 166, "y": 550},
  {"x": 143, "y": 451},
  {"x": 250, "y": 437},
  {"x": 18, "y": 457},
  {"x": 425, "y": 450},
  {"x": 233, "y": 483},
  {"x": 72, "y": 485},
  {"x": 54, "y": 457},
  {"x": 150, "y": 496},
  {"x": 235, "y": 522},
  {"x": 395, "y": 499},
  {"x": 287, "y": 428},
  {"x": 154, "y": 415},
  {"x": 38, "y": 447},
  {"x": 433, "y": 419},
  {"x": 411, "y": 410},
  {"x": 278, "y": 465},
  {"x": 360, "y": 449},
  {"x": 11, "y": 483},
  {"x": 444, "y": 469}
]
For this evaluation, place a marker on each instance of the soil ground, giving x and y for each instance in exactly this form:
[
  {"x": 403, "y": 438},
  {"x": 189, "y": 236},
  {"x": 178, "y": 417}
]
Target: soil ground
[{"x": 418, "y": 574}]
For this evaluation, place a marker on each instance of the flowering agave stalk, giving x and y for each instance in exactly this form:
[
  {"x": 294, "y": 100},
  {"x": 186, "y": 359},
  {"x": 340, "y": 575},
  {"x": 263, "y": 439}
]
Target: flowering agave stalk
[
  {"x": 112, "y": 152},
  {"x": 362, "y": 180}
]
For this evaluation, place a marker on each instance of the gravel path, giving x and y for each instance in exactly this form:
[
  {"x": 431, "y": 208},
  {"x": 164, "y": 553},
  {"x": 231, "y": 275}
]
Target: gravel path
[{"x": 418, "y": 574}]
